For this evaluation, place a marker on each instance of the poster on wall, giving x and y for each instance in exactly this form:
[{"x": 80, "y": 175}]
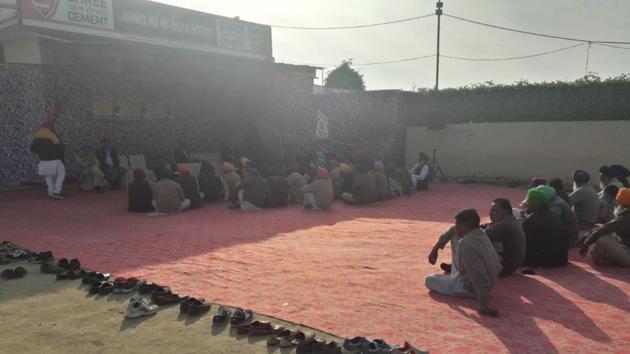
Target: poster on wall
[{"x": 130, "y": 109}]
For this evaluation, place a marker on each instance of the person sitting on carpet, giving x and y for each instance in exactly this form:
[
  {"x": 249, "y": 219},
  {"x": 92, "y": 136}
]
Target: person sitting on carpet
[
  {"x": 557, "y": 184},
  {"x": 607, "y": 204},
  {"x": 547, "y": 238},
  {"x": 51, "y": 151},
  {"x": 296, "y": 183},
  {"x": 420, "y": 173},
  {"x": 611, "y": 240},
  {"x": 561, "y": 209},
  {"x": 364, "y": 189},
  {"x": 190, "y": 186},
  {"x": 90, "y": 175},
  {"x": 380, "y": 178},
  {"x": 335, "y": 178},
  {"x": 168, "y": 195},
  {"x": 231, "y": 181},
  {"x": 319, "y": 194},
  {"x": 507, "y": 236},
  {"x": 402, "y": 178},
  {"x": 210, "y": 184},
  {"x": 254, "y": 192},
  {"x": 347, "y": 175},
  {"x": 505, "y": 233},
  {"x": 140, "y": 193},
  {"x": 477, "y": 262},
  {"x": 109, "y": 163},
  {"x": 584, "y": 200},
  {"x": 279, "y": 191}
]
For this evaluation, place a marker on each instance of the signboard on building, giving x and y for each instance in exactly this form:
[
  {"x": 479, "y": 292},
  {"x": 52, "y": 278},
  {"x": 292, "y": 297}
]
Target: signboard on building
[
  {"x": 149, "y": 22},
  {"x": 93, "y": 13}
]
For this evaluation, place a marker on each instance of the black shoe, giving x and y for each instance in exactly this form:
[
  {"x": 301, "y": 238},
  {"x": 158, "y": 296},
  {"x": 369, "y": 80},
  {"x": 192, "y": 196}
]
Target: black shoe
[
  {"x": 74, "y": 264},
  {"x": 58, "y": 196},
  {"x": 446, "y": 268},
  {"x": 63, "y": 263},
  {"x": 50, "y": 268}
]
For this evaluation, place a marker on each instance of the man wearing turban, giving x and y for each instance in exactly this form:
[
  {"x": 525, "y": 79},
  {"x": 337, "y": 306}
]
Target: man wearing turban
[
  {"x": 51, "y": 151},
  {"x": 612, "y": 240},
  {"x": 547, "y": 238}
]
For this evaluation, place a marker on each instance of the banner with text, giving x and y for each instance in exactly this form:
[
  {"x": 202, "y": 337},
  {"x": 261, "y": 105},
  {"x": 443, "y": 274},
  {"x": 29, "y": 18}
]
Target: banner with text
[{"x": 150, "y": 22}]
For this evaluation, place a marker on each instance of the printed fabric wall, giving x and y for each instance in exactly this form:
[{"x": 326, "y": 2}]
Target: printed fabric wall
[
  {"x": 233, "y": 114},
  {"x": 363, "y": 119}
]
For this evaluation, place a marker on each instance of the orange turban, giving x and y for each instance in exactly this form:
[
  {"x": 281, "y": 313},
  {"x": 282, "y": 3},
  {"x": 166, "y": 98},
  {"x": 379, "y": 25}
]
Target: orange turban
[{"x": 623, "y": 196}]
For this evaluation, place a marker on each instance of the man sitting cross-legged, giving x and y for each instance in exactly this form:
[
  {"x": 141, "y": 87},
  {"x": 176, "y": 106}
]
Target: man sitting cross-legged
[
  {"x": 477, "y": 263},
  {"x": 505, "y": 233},
  {"x": 612, "y": 240},
  {"x": 507, "y": 236}
]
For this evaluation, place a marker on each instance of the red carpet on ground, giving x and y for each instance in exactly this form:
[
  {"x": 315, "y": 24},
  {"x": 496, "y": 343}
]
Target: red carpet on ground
[{"x": 349, "y": 271}]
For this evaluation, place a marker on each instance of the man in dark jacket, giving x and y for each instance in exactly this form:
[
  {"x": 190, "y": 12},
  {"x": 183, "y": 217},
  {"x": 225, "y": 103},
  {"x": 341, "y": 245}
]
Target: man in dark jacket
[
  {"x": 254, "y": 192},
  {"x": 279, "y": 190},
  {"x": 209, "y": 183},
  {"x": 547, "y": 237},
  {"x": 364, "y": 188},
  {"x": 190, "y": 185},
  {"x": 140, "y": 194},
  {"x": 109, "y": 163},
  {"x": 507, "y": 236}
]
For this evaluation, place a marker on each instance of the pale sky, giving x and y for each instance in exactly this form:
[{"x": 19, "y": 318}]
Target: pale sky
[{"x": 590, "y": 19}]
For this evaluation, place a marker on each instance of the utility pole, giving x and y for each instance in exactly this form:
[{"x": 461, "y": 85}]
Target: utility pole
[{"x": 438, "y": 12}]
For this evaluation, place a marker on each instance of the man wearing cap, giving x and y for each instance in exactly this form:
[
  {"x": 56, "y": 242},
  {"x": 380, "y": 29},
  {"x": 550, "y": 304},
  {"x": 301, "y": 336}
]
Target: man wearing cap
[
  {"x": 319, "y": 194},
  {"x": 559, "y": 207},
  {"x": 109, "y": 163},
  {"x": 612, "y": 240},
  {"x": 190, "y": 186},
  {"x": 547, "y": 238},
  {"x": 584, "y": 200}
]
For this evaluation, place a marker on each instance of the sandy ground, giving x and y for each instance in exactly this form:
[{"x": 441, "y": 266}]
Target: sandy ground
[{"x": 39, "y": 314}]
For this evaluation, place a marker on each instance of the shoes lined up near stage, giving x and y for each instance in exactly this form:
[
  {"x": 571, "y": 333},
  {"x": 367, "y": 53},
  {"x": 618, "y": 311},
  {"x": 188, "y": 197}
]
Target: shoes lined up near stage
[
  {"x": 362, "y": 345},
  {"x": 151, "y": 296}
]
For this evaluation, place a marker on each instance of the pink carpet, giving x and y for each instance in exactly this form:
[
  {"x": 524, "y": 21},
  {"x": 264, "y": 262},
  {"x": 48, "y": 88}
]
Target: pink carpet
[{"x": 350, "y": 271}]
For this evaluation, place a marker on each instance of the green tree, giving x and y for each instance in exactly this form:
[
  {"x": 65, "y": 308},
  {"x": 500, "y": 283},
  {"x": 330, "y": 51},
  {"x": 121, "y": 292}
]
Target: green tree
[{"x": 345, "y": 77}]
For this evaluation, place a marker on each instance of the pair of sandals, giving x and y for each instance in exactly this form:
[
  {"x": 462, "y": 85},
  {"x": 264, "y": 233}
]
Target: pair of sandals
[
  {"x": 90, "y": 278},
  {"x": 288, "y": 339},
  {"x": 239, "y": 318},
  {"x": 16, "y": 273},
  {"x": 259, "y": 329},
  {"x": 101, "y": 288},
  {"x": 62, "y": 266}
]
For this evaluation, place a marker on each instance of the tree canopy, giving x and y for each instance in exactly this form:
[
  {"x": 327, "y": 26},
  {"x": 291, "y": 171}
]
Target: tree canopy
[{"x": 345, "y": 77}]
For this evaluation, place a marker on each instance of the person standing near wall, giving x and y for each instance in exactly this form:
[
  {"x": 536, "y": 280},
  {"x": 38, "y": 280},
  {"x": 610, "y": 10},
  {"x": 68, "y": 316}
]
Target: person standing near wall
[{"x": 51, "y": 151}]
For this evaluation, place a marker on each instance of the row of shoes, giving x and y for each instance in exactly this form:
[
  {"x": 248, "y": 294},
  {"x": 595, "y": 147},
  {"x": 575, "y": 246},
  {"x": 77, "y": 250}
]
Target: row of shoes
[
  {"x": 362, "y": 345},
  {"x": 243, "y": 321}
]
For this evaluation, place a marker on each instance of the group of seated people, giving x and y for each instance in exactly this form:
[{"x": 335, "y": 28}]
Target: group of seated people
[
  {"x": 538, "y": 234},
  {"x": 314, "y": 185}
]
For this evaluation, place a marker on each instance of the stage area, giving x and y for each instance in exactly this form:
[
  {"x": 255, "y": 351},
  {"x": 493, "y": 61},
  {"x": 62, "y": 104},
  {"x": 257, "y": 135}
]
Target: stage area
[{"x": 348, "y": 271}]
